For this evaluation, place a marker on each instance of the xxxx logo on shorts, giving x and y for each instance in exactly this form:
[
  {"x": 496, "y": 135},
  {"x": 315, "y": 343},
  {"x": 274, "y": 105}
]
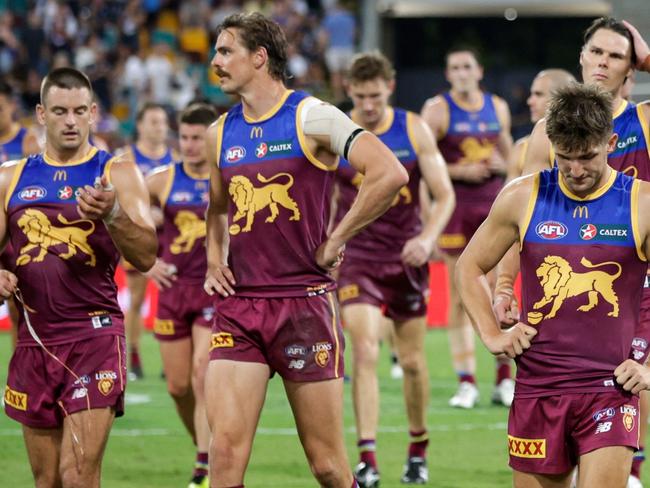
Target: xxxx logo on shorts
[
  {"x": 629, "y": 412},
  {"x": 105, "y": 381},
  {"x": 321, "y": 352},
  {"x": 16, "y": 399},
  {"x": 527, "y": 448},
  {"x": 222, "y": 339}
]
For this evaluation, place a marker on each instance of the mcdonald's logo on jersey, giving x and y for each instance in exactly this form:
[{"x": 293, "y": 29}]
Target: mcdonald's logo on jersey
[
  {"x": 256, "y": 132},
  {"x": 581, "y": 212},
  {"x": 60, "y": 175}
]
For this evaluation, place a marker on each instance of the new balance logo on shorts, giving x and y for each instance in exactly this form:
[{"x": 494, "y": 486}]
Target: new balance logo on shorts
[
  {"x": 101, "y": 321},
  {"x": 527, "y": 448},
  {"x": 603, "y": 427}
]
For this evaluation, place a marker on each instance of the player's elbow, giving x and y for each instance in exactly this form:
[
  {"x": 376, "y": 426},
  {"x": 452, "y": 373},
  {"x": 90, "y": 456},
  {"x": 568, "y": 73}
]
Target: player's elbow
[{"x": 396, "y": 176}]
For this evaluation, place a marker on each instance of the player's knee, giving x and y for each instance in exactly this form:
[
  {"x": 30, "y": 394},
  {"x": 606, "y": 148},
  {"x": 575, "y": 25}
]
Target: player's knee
[
  {"x": 45, "y": 478},
  {"x": 412, "y": 363},
  {"x": 71, "y": 477},
  {"x": 178, "y": 389},
  {"x": 366, "y": 353},
  {"x": 327, "y": 472}
]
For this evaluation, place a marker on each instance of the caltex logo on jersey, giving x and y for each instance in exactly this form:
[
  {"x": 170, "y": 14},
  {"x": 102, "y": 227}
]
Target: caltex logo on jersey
[
  {"x": 65, "y": 193},
  {"x": 235, "y": 153},
  {"x": 551, "y": 230},
  {"x": 588, "y": 232},
  {"x": 32, "y": 193},
  {"x": 261, "y": 150}
]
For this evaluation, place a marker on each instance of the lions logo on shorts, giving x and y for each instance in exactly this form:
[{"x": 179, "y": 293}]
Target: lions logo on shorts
[{"x": 322, "y": 353}]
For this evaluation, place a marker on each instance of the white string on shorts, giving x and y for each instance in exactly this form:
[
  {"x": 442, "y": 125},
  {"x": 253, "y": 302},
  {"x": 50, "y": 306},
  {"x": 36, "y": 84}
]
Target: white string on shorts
[{"x": 76, "y": 441}]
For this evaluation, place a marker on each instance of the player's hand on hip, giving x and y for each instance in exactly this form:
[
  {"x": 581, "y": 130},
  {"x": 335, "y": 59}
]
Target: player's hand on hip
[
  {"x": 506, "y": 310},
  {"x": 219, "y": 279},
  {"x": 329, "y": 255},
  {"x": 163, "y": 274},
  {"x": 511, "y": 342},
  {"x": 8, "y": 284},
  {"x": 632, "y": 376},
  {"x": 97, "y": 202},
  {"x": 416, "y": 251},
  {"x": 641, "y": 48}
]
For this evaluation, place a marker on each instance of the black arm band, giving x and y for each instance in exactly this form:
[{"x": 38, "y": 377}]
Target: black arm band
[{"x": 348, "y": 143}]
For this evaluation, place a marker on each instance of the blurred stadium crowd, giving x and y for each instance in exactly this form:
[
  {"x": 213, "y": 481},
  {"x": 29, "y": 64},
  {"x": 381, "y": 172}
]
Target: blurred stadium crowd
[{"x": 158, "y": 50}]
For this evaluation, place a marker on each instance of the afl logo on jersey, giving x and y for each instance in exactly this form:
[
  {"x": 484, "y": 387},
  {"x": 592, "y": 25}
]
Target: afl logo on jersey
[
  {"x": 32, "y": 193},
  {"x": 588, "y": 232},
  {"x": 551, "y": 230},
  {"x": 235, "y": 153}
]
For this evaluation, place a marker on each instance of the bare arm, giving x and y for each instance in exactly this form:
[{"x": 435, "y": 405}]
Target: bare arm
[
  {"x": 537, "y": 156},
  {"x": 501, "y": 230},
  {"x": 417, "y": 251},
  {"x": 630, "y": 374},
  {"x": 162, "y": 273},
  {"x": 383, "y": 177},
  {"x": 499, "y": 160},
  {"x": 8, "y": 280},
  {"x": 125, "y": 212},
  {"x": 516, "y": 162},
  {"x": 219, "y": 277}
]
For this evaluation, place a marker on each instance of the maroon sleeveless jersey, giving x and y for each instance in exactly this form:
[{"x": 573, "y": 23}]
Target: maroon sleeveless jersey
[
  {"x": 582, "y": 269},
  {"x": 64, "y": 264},
  {"x": 278, "y": 202},
  {"x": 384, "y": 239}
]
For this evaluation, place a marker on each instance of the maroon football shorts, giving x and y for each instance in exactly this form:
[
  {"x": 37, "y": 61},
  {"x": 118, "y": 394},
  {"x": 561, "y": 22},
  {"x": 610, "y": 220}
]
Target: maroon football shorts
[
  {"x": 547, "y": 435},
  {"x": 179, "y": 308},
  {"x": 466, "y": 219},
  {"x": 300, "y": 338},
  {"x": 40, "y": 391},
  {"x": 400, "y": 290}
]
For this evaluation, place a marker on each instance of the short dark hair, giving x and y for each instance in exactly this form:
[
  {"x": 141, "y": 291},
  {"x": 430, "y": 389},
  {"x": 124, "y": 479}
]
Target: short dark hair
[
  {"x": 6, "y": 89},
  {"x": 66, "y": 78},
  {"x": 145, "y": 107},
  {"x": 258, "y": 31},
  {"x": 464, "y": 48},
  {"x": 613, "y": 25},
  {"x": 369, "y": 66},
  {"x": 579, "y": 117},
  {"x": 198, "y": 113}
]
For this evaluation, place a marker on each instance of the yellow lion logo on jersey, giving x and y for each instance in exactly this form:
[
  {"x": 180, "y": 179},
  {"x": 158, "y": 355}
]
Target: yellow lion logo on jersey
[
  {"x": 560, "y": 282},
  {"x": 42, "y": 234},
  {"x": 475, "y": 151},
  {"x": 249, "y": 199},
  {"x": 190, "y": 228},
  {"x": 404, "y": 192}
]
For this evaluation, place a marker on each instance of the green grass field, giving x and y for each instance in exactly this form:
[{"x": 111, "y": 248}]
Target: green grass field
[{"x": 148, "y": 447}]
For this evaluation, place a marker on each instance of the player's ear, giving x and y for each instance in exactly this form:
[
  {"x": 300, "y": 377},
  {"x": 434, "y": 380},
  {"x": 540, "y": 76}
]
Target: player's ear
[
  {"x": 40, "y": 113},
  {"x": 93, "y": 113},
  {"x": 260, "y": 56},
  {"x": 611, "y": 143}
]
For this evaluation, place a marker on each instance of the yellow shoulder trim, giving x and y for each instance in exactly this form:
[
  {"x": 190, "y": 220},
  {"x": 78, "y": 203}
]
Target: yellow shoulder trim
[
  {"x": 621, "y": 108},
  {"x": 592, "y": 196},
  {"x": 644, "y": 125},
  {"x": 634, "y": 212},
  {"x": 220, "y": 123},
  {"x": 168, "y": 185},
  {"x": 387, "y": 123},
  {"x": 14, "y": 180},
  {"x": 89, "y": 155},
  {"x": 271, "y": 112},
  {"x": 12, "y": 133},
  {"x": 446, "y": 120},
  {"x": 532, "y": 200},
  {"x": 522, "y": 154},
  {"x": 109, "y": 166},
  {"x": 302, "y": 140},
  {"x": 410, "y": 121}
]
